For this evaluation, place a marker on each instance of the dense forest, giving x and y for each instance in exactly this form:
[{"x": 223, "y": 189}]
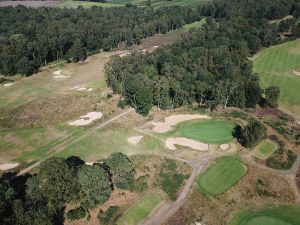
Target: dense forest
[
  {"x": 30, "y": 38},
  {"x": 210, "y": 65}
]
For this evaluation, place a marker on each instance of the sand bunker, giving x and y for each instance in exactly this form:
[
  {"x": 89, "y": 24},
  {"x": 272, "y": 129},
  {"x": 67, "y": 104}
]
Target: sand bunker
[
  {"x": 57, "y": 73},
  {"x": 163, "y": 127},
  {"x": 197, "y": 145},
  {"x": 81, "y": 89},
  {"x": 296, "y": 72},
  {"x": 7, "y": 85},
  {"x": 224, "y": 147},
  {"x": 155, "y": 46},
  {"x": 86, "y": 119},
  {"x": 135, "y": 139},
  {"x": 8, "y": 166},
  {"x": 59, "y": 77}
]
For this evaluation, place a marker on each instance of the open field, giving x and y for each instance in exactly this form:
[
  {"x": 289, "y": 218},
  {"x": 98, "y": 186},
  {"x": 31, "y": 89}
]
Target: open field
[
  {"x": 33, "y": 4},
  {"x": 280, "y": 66},
  {"x": 76, "y": 4},
  {"x": 160, "y": 3},
  {"x": 221, "y": 176},
  {"x": 282, "y": 215},
  {"x": 211, "y": 131},
  {"x": 264, "y": 149}
]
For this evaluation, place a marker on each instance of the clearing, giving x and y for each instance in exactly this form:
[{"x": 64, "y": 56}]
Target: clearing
[
  {"x": 264, "y": 149},
  {"x": 282, "y": 215},
  {"x": 278, "y": 66},
  {"x": 141, "y": 210},
  {"x": 221, "y": 176}
]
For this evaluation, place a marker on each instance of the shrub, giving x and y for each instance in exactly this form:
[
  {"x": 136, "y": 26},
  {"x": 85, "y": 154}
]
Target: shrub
[
  {"x": 121, "y": 104},
  {"x": 281, "y": 160},
  {"x": 105, "y": 217},
  {"x": 75, "y": 214}
]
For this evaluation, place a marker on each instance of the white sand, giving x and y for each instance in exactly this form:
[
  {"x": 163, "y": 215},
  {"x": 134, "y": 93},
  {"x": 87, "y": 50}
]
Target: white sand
[
  {"x": 81, "y": 89},
  {"x": 57, "y": 73},
  {"x": 224, "y": 147},
  {"x": 135, "y": 139},
  {"x": 125, "y": 54},
  {"x": 155, "y": 46},
  {"x": 89, "y": 89},
  {"x": 8, "y": 166},
  {"x": 163, "y": 127},
  {"x": 60, "y": 77},
  {"x": 86, "y": 119},
  {"x": 297, "y": 73},
  {"x": 197, "y": 145},
  {"x": 89, "y": 163},
  {"x": 7, "y": 85}
]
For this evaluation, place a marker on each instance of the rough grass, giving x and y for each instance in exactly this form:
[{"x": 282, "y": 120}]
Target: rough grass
[
  {"x": 221, "y": 176},
  {"x": 208, "y": 131},
  {"x": 141, "y": 210},
  {"x": 161, "y": 3},
  {"x": 264, "y": 149},
  {"x": 196, "y": 24},
  {"x": 283, "y": 215},
  {"x": 275, "y": 67},
  {"x": 76, "y": 4}
]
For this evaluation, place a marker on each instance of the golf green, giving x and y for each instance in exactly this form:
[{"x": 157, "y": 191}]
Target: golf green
[
  {"x": 221, "y": 176},
  {"x": 282, "y": 215},
  {"x": 211, "y": 131},
  {"x": 264, "y": 149}
]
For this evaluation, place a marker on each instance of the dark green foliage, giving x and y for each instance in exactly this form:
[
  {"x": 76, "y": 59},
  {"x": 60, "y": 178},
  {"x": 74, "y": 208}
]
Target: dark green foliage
[
  {"x": 95, "y": 185},
  {"x": 171, "y": 180},
  {"x": 75, "y": 214},
  {"x": 122, "y": 170},
  {"x": 107, "y": 216},
  {"x": 271, "y": 96},
  {"x": 141, "y": 184},
  {"x": 121, "y": 103},
  {"x": 282, "y": 159},
  {"x": 251, "y": 134}
]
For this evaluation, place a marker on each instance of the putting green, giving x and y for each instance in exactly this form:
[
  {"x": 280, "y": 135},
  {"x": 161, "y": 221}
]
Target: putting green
[
  {"x": 221, "y": 176},
  {"x": 211, "y": 131},
  {"x": 265, "y": 149},
  {"x": 282, "y": 215},
  {"x": 141, "y": 210}
]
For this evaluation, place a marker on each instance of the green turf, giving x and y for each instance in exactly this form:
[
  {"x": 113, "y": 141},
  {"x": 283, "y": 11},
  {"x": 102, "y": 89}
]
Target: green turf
[
  {"x": 282, "y": 215},
  {"x": 141, "y": 210},
  {"x": 275, "y": 67},
  {"x": 209, "y": 131},
  {"x": 102, "y": 143},
  {"x": 196, "y": 24},
  {"x": 76, "y": 4},
  {"x": 221, "y": 176},
  {"x": 264, "y": 149}
]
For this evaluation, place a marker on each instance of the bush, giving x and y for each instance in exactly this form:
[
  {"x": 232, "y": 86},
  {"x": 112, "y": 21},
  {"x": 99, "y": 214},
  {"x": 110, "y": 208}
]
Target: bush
[
  {"x": 75, "y": 214},
  {"x": 140, "y": 185},
  {"x": 282, "y": 160},
  {"x": 106, "y": 217},
  {"x": 121, "y": 104}
]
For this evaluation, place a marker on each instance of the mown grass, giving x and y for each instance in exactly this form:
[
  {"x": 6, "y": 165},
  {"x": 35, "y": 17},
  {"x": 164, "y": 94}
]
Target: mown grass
[
  {"x": 141, "y": 210},
  {"x": 275, "y": 67},
  {"x": 221, "y": 176},
  {"x": 264, "y": 149},
  {"x": 282, "y": 215},
  {"x": 76, "y": 4}
]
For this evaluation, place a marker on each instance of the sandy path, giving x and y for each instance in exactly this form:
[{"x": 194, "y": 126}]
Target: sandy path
[
  {"x": 163, "y": 127},
  {"x": 8, "y": 166},
  {"x": 197, "y": 145}
]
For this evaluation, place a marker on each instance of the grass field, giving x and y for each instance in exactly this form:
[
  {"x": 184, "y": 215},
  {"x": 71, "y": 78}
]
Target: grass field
[
  {"x": 210, "y": 131},
  {"x": 76, "y": 4},
  {"x": 276, "y": 66},
  {"x": 264, "y": 149},
  {"x": 283, "y": 215},
  {"x": 221, "y": 176},
  {"x": 141, "y": 210}
]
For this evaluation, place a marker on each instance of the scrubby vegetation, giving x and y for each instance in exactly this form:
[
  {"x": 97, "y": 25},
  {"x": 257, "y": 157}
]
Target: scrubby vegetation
[{"x": 109, "y": 215}]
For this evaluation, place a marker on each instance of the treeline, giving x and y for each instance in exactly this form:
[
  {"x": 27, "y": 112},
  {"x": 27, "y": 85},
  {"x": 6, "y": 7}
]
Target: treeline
[
  {"x": 210, "y": 65},
  {"x": 30, "y": 38},
  {"x": 40, "y": 199}
]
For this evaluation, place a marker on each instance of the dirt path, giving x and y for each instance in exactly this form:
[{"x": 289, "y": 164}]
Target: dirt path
[
  {"x": 60, "y": 147},
  {"x": 167, "y": 210}
]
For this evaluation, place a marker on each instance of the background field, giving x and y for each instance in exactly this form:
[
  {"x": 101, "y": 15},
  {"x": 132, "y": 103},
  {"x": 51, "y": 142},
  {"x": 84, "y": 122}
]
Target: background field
[
  {"x": 283, "y": 215},
  {"x": 275, "y": 67},
  {"x": 160, "y": 3},
  {"x": 264, "y": 149},
  {"x": 75, "y": 4},
  {"x": 221, "y": 176},
  {"x": 140, "y": 210}
]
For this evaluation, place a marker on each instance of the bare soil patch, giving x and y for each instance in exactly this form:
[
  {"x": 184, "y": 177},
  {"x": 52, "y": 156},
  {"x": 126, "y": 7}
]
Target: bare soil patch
[{"x": 197, "y": 145}]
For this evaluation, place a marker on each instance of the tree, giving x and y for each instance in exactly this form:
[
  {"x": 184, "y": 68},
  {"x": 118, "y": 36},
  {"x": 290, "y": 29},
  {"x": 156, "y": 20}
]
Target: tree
[
  {"x": 95, "y": 185},
  {"x": 271, "y": 96},
  {"x": 122, "y": 170}
]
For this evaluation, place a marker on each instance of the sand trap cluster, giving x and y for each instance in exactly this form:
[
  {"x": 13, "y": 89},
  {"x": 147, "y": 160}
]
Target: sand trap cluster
[
  {"x": 86, "y": 119},
  {"x": 8, "y": 166},
  {"x": 57, "y": 75},
  {"x": 197, "y": 145},
  {"x": 224, "y": 147},
  {"x": 7, "y": 84},
  {"x": 163, "y": 127},
  {"x": 296, "y": 72},
  {"x": 81, "y": 89},
  {"x": 135, "y": 139}
]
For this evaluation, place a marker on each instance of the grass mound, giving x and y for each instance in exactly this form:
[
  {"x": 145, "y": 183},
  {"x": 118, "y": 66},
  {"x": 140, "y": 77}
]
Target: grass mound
[
  {"x": 283, "y": 215},
  {"x": 221, "y": 176},
  {"x": 212, "y": 131},
  {"x": 141, "y": 210},
  {"x": 264, "y": 149}
]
